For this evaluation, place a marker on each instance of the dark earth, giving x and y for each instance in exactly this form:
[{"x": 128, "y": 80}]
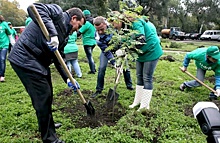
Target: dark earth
[{"x": 109, "y": 116}]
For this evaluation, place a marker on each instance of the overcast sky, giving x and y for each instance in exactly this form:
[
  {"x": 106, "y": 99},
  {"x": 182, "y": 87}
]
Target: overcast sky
[{"x": 25, "y": 3}]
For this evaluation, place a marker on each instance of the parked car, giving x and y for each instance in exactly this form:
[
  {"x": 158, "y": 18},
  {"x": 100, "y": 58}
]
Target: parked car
[
  {"x": 210, "y": 35},
  {"x": 218, "y": 39},
  {"x": 187, "y": 35},
  {"x": 195, "y": 36}
]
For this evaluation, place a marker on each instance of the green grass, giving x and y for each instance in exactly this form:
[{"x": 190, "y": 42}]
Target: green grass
[
  {"x": 166, "y": 121},
  {"x": 186, "y": 46}
]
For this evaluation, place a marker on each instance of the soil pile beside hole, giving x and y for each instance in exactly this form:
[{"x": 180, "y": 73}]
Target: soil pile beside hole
[{"x": 77, "y": 111}]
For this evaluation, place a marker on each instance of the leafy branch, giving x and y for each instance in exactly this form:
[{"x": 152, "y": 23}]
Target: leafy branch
[{"x": 125, "y": 39}]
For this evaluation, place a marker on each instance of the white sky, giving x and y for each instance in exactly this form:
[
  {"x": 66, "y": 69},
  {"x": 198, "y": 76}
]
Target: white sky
[{"x": 25, "y": 3}]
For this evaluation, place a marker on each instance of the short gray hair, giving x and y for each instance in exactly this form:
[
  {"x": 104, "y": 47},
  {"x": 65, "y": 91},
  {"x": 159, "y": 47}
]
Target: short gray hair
[{"x": 99, "y": 20}]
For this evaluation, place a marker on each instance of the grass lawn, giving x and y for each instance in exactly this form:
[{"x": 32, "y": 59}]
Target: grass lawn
[{"x": 169, "y": 119}]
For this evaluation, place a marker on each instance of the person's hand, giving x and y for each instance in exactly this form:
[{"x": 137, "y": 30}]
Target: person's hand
[
  {"x": 53, "y": 44},
  {"x": 120, "y": 53},
  {"x": 183, "y": 69},
  {"x": 218, "y": 92},
  {"x": 119, "y": 70},
  {"x": 71, "y": 85}
]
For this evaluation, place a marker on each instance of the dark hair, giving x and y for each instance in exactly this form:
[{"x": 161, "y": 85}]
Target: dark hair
[
  {"x": 2, "y": 18},
  {"x": 78, "y": 12}
]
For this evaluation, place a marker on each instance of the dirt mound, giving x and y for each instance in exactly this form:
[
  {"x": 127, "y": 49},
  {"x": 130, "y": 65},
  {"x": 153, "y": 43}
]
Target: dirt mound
[{"x": 77, "y": 111}]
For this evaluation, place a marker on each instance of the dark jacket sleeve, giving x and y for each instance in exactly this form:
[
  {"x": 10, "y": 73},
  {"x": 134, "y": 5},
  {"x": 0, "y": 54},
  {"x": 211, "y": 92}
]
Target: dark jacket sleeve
[
  {"x": 48, "y": 13},
  {"x": 60, "y": 69}
]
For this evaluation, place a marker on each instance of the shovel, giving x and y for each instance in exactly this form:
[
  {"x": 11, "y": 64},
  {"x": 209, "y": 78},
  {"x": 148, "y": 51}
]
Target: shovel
[
  {"x": 202, "y": 83},
  {"x": 112, "y": 96},
  {"x": 88, "y": 105}
]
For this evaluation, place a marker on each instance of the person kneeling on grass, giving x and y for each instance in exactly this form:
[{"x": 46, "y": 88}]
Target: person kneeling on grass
[{"x": 205, "y": 59}]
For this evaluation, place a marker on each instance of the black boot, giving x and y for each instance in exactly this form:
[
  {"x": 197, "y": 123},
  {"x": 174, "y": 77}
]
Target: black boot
[
  {"x": 58, "y": 141},
  {"x": 96, "y": 93}
]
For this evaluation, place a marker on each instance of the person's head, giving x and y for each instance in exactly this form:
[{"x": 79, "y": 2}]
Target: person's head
[
  {"x": 2, "y": 18},
  {"x": 115, "y": 21},
  {"x": 213, "y": 54},
  {"x": 77, "y": 18},
  {"x": 9, "y": 24},
  {"x": 86, "y": 13},
  {"x": 100, "y": 24}
]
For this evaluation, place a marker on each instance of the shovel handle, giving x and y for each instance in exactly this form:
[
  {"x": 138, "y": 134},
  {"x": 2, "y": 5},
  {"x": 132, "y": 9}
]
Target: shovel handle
[
  {"x": 202, "y": 83},
  {"x": 46, "y": 34}
]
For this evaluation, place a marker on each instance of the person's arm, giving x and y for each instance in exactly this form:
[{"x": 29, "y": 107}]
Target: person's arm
[
  {"x": 60, "y": 69},
  {"x": 110, "y": 57},
  {"x": 186, "y": 61},
  {"x": 140, "y": 37},
  {"x": 217, "y": 82},
  {"x": 47, "y": 12}
]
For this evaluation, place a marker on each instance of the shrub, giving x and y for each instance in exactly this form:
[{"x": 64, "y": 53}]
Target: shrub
[{"x": 175, "y": 45}]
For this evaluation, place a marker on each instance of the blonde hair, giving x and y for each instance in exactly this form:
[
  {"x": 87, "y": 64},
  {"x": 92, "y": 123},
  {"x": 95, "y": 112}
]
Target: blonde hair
[{"x": 99, "y": 20}]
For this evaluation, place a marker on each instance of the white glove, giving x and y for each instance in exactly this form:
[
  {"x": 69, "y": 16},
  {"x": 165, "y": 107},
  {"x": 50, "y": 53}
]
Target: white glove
[
  {"x": 53, "y": 44},
  {"x": 120, "y": 53},
  {"x": 11, "y": 39},
  {"x": 218, "y": 92}
]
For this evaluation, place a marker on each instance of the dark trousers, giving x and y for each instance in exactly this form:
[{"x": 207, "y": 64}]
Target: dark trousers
[
  {"x": 39, "y": 88},
  {"x": 127, "y": 78}
]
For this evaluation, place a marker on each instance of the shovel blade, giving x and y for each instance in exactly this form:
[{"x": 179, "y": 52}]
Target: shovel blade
[
  {"x": 90, "y": 109},
  {"x": 112, "y": 98}
]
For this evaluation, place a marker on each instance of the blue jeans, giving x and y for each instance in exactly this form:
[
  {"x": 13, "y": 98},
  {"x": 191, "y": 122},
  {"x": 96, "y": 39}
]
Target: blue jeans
[
  {"x": 74, "y": 63},
  {"x": 200, "y": 74},
  {"x": 3, "y": 54},
  {"x": 88, "y": 50},
  {"x": 144, "y": 73},
  {"x": 101, "y": 73}
]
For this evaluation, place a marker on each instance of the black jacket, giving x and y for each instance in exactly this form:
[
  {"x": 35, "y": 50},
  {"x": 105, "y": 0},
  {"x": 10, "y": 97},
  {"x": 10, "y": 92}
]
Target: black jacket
[{"x": 31, "y": 51}]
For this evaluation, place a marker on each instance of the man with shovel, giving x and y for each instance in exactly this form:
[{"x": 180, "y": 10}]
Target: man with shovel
[
  {"x": 205, "y": 59},
  {"x": 32, "y": 55},
  {"x": 103, "y": 42}
]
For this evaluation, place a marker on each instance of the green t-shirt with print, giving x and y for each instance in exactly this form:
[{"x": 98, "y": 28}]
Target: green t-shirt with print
[
  {"x": 4, "y": 32},
  {"x": 199, "y": 55}
]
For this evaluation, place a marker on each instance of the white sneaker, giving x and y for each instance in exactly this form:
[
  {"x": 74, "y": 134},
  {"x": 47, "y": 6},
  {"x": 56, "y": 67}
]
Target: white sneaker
[{"x": 2, "y": 79}]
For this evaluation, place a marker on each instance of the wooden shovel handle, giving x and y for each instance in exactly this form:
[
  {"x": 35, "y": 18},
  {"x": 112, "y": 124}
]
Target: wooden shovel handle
[
  {"x": 46, "y": 34},
  {"x": 202, "y": 83}
]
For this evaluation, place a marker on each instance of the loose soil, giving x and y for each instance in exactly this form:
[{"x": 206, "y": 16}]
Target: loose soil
[{"x": 103, "y": 116}]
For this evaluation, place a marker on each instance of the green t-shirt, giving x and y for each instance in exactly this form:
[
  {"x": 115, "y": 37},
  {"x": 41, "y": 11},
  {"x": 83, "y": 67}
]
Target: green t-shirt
[
  {"x": 13, "y": 32},
  {"x": 27, "y": 21},
  {"x": 152, "y": 50},
  {"x": 71, "y": 44},
  {"x": 199, "y": 55},
  {"x": 4, "y": 32},
  {"x": 88, "y": 34}
]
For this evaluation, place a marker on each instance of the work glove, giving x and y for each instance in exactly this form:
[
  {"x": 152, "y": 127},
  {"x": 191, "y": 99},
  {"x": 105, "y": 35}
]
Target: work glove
[
  {"x": 218, "y": 92},
  {"x": 120, "y": 53},
  {"x": 71, "y": 85},
  {"x": 53, "y": 44}
]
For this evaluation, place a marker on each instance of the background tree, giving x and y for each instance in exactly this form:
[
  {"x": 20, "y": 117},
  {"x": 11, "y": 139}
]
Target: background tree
[
  {"x": 12, "y": 13},
  {"x": 96, "y": 7}
]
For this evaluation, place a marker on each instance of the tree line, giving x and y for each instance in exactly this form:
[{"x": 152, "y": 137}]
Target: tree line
[{"x": 190, "y": 15}]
